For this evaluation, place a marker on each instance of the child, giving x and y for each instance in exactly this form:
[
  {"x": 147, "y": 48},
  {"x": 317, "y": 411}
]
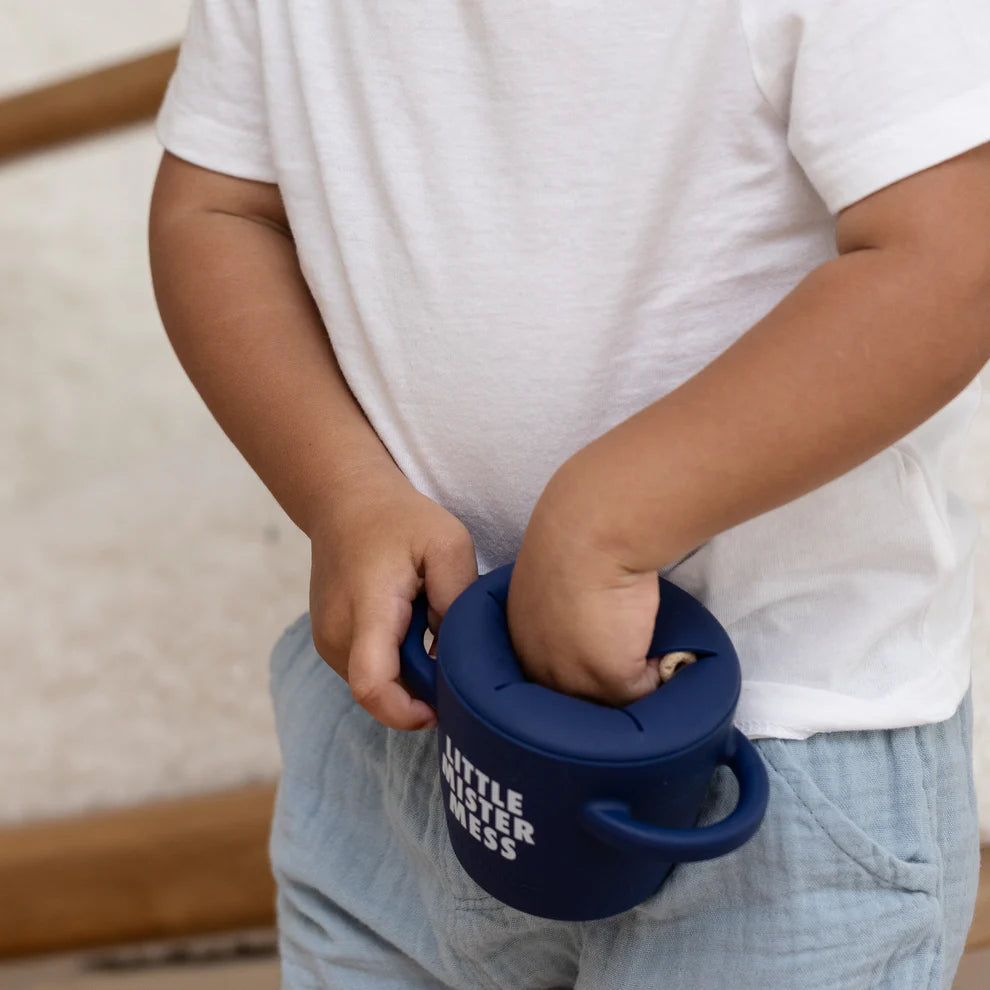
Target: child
[{"x": 608, "y": 288}]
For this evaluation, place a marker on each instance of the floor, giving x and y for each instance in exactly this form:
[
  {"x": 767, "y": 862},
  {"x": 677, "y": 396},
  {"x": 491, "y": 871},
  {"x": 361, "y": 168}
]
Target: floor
[
  {"x": 245, "y": 963},
  {"x": 239, "y": 961},
  {"x": 259, "y": 975}
]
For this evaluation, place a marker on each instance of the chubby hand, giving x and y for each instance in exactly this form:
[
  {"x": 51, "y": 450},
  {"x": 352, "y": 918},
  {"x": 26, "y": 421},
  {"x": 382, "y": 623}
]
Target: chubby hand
[{"x": 580, "y": 621}]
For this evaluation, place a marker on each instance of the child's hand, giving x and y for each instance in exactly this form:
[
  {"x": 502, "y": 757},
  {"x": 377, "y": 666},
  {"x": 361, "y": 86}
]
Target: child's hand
[
  {"x": 371, "y": 554},
  {"x": 580, "y": 622}
]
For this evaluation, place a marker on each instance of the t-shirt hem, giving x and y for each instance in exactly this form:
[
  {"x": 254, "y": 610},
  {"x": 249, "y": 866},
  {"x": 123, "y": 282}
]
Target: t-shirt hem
[
  {"x": 182, "y": 131},
  {"x": 949, "y": 128},
  {"x": 808, "y": 711}
]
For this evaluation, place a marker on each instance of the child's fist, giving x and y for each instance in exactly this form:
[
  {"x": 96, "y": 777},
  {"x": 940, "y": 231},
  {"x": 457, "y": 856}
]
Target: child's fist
[{"x": 371, "y": 556}]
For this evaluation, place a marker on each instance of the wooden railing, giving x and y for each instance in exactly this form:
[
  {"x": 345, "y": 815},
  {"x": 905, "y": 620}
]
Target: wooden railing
[
  {"x": 85, "y": 104},
  {"x": 165, "y": 869}
]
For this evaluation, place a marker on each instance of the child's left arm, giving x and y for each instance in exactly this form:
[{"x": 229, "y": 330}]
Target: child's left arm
[{"x": 866, "y": 348}]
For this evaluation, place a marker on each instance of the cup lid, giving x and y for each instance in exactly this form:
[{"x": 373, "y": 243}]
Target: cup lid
[{"x": 481, "y": 667}]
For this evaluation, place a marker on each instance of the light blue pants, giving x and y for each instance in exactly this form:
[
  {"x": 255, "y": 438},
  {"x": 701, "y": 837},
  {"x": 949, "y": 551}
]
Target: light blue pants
[{"x": 862, "y": 876}]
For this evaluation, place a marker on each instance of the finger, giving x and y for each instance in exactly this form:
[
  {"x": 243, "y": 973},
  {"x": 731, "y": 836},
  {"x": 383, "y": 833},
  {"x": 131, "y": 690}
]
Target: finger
[
  {"x": 432, "y": 618},
  {"x": 609, "y": 686},
  {"x": 373, "y": 669},
  {"x": 449, "y": 568}
]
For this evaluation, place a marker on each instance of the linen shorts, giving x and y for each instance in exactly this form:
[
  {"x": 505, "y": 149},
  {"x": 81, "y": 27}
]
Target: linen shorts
[{"x": 863, "y": 874}]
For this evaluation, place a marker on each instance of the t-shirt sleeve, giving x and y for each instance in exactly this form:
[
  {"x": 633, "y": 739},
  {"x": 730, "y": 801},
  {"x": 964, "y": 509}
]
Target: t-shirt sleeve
[
  {"x": 213, "y": 113},
  {"x": 872, "y": 91}
]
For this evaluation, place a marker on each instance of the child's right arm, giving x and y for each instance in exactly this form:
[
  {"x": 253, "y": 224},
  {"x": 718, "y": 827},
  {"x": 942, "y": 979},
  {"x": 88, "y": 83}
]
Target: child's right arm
[{"x": 244, "y": 326}]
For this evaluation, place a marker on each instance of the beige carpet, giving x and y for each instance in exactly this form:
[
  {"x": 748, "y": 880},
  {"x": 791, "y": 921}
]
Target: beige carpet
[{"x": 144, "y": 571}]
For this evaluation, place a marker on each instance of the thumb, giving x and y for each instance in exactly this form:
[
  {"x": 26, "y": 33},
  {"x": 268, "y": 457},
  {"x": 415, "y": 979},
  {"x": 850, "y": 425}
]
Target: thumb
[
  {"x": 448, "y": 569},
  {"x": 373, "y": 669}
]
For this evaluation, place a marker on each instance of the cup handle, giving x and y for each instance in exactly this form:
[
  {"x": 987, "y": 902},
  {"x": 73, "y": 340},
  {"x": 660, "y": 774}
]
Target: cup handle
[
  {"x": 418, "y": 668},
  {"x": 612, "y": 821}
]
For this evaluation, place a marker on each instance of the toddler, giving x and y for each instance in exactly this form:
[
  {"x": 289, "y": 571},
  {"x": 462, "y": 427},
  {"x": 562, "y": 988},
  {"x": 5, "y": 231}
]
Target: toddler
[{"x": 609, "y": 288}]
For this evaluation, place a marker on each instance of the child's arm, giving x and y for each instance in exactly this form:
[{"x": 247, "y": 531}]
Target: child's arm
[
  {"x": 247, "y": 332},
  {"x": 866, "y": 348},
  {"x": 245, "y": 328}
]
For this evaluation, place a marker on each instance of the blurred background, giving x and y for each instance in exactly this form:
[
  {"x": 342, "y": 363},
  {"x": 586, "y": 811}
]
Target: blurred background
[{"x": 144, "y": 571}]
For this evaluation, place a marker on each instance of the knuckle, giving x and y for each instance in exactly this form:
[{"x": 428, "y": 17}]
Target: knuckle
[
  {"x": 367, "y": 693},
  {"x": 454, "y": 542},
  {"x": 603, "y": 686},
  {"x": 461, "y": 539}
]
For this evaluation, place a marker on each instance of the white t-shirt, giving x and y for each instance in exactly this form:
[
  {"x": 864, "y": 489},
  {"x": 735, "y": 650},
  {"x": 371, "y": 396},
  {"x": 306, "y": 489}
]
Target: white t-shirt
[{"x": 525, "y": 220}]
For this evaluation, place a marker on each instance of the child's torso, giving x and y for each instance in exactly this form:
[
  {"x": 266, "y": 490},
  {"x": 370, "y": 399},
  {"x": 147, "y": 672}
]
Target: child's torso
[{"x": 524, "y": 221}]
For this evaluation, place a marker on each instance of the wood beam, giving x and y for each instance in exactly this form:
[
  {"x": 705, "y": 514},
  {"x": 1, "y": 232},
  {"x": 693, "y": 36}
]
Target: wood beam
[
  {"x": 86, "y": 104},
  {"x": 159, "y": 870}
]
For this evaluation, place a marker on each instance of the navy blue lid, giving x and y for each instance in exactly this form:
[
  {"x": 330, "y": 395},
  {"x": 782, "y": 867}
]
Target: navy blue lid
[{"x": 481, "y": 667}]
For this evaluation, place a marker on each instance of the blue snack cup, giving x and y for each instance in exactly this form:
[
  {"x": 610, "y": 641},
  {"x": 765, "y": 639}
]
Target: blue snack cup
[{"x": 569, "y": 809}]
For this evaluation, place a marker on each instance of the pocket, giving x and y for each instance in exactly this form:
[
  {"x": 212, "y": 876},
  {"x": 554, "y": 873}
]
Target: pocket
[
  {"x": 459, "y": 884},
  {"x": 881, "y": 825},
  {"x": 414, "y": 808}
]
